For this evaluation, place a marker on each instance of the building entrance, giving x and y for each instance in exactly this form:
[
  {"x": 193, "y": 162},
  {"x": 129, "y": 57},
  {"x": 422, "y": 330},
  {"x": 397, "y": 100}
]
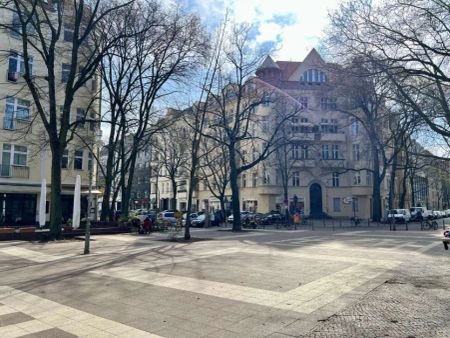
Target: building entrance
[{"x": 315, "y": 198}]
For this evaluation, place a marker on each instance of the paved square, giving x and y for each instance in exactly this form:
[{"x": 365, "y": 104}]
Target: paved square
[{"x": 257, "y": 284}]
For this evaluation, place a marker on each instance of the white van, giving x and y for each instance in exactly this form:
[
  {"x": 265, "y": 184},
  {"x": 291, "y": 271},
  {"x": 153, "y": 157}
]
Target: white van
[{"x": 419, "y": 213}]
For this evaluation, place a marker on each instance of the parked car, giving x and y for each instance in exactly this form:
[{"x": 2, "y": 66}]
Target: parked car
[
  {"x": 194, "y": 215},
  {"x": 167, "y": 217},
  {"x": 142, "y": 215},
  {"x": 399, "y": 215},
  {"x": 272, "y": 217},
  {"x": 447, "y": 213},
  {"x": 419, "y": 213},
  {"x": 244, "y": 215},
  {"x": 199, "y": 221}
]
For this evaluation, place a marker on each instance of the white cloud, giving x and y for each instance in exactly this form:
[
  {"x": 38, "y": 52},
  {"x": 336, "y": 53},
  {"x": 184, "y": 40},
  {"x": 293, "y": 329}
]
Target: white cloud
[{"x": 301, "y": 32}]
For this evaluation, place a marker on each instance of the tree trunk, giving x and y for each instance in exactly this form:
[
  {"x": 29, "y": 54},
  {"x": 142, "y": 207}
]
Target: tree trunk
[
  {"x": 235, "y": 203},
  {"x": 392, "y": 183},
  {"x": 286, "y": 199},
  {"x": 413, "y": 196},
  {"x": 55, "y": 193},
  {"x": 173, "y": 202},
  {"x": 222, "y": 209},
  {"x": 401, "y": 203},
  {"x": 126, "y": 194},
  {"x": 376, "y": 194}
]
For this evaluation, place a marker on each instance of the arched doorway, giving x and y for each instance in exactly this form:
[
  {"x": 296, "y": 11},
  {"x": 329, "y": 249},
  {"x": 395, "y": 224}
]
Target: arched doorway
[{"x": 315, "y": 198}]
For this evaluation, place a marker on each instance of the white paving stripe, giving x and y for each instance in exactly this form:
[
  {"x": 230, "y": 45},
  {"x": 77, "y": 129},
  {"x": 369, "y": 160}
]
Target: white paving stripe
[
  {"x": 49, "y": 314},
  {"x": 303, "y": 299},
  {"x": 31, "y": 255}
]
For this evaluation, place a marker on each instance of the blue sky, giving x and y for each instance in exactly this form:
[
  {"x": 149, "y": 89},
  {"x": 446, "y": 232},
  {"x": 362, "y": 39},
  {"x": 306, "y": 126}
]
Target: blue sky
[{"x": 293, "y": 26}]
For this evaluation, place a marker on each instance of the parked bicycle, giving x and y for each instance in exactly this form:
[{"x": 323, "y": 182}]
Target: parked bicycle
[{"x": 428, "y": 225}]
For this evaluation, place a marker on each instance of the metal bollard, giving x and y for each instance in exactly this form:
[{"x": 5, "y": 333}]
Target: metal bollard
[
  {"x": 368, "y": 222},
  {"x": 443, "y": 225}
]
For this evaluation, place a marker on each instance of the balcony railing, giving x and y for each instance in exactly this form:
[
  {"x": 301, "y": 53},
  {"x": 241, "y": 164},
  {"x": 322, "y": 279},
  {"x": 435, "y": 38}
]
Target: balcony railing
[
  {"x": 23, "y": 125},
  {"x": 14, "y": 171}
]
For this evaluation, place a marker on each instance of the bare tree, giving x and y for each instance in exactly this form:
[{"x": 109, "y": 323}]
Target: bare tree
[
  {"x": 167, "y": 46},
  {"x": 170, "y": 148},
  {"x": 40, "y": 27},
  {"x": 237, "y": 103},
  {"x": 409, "y": 43}
]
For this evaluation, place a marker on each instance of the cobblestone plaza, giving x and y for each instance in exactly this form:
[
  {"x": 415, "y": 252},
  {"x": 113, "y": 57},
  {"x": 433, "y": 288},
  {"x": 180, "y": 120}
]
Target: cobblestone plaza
[{"x": 355, "y": 282}]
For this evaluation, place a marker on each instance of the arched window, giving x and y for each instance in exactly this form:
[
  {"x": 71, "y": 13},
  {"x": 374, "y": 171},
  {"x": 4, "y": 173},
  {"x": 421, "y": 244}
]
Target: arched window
[{"x": 313, "y": 76}]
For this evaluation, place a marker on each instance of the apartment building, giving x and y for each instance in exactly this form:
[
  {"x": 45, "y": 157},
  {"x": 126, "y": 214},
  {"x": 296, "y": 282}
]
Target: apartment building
[
  {"x": 25, "y": 157},
  {"x": 328, "y": 154}
]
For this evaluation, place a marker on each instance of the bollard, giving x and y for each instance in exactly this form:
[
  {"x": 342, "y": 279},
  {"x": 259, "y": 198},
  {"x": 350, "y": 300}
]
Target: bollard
[
  {"x": 340, "y": 223},
  {"x": 368, "y": 222},
  {"x": 443, "y": 225}
]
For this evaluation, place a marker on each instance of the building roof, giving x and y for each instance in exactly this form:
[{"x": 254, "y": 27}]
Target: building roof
[{"x": 268, "y": 63}]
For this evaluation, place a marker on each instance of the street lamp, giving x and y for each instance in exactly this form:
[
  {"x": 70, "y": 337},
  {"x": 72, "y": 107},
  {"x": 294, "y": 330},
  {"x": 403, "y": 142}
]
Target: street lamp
[{"x": 94, "y": 141}]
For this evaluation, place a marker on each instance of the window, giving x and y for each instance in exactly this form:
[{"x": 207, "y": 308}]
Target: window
[
  {"x": 336, "y": 204},
  {"x": 16, "y": 109},
  {"x": 90, "y": 161},
  {"x": 335, "y": 179},
  {"x": 65, "y": 72},
  {"x": 16, "y": 29},
  {"x": 296, "y": 179},
  {"x": 355, "y": 206},
  {"x": 14, "y": 155},
  {"x": 368, "y": 177},
  {"x": 355, "y": 148},
  {"x": 80, "y": 117},
  {"x": 305, "y": 152},
  {"x": 325, "y": 152},
  {"x": 78, "y": 160},
  {"x": 244, "y": 180},
  {"x": 20, "y": 155},
  {"x": 313, "y": 76},
  {"x": 303, "y": 101},
  {"x": 16, "y": 66},
  {"x": 265, "y": 125},
  {"x": 335, "y": 151},
  {"x": 295, "y": 151},
  {"x": 65, "y": 160},
  {"x": 355, "y": 126},
  {"x": 327, "y": 103},
  {"x": 92, "y": 122},
  {"x": 68, "y": 33},
  {"x": 266, "y": 177},
  {"x": 254, "y": 179},
  {"x": 357, "y": 178}
]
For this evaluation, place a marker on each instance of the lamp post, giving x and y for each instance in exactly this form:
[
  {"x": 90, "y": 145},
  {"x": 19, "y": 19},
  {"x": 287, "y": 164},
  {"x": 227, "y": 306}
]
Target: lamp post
[{"x": 87, "y": 236}]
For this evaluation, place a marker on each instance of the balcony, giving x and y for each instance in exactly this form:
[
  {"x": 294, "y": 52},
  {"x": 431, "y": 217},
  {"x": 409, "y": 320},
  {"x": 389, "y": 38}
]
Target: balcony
[
  {"x": 332, "y": 163},
  {"x": 14, "y": 171},
  {"x": 304, "y": 163},
  {"x": 333, "y": 137},
  {"x": 23, "y": 125}
]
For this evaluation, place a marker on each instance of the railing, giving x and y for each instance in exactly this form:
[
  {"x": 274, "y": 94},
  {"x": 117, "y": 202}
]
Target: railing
[
  {"x": 16, "y": 124},
  {"x": 14, "y": 171}
]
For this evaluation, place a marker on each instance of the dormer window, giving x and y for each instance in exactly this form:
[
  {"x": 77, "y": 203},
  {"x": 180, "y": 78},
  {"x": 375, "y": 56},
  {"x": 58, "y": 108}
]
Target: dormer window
[{"x": 313, "y": 76}]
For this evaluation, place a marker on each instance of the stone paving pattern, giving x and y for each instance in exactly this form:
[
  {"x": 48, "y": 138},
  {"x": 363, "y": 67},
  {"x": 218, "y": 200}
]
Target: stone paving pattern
[{"x": 365, "y": 282}]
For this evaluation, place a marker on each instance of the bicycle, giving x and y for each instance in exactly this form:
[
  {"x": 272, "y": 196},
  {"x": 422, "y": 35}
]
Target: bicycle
[{"x": 428, "y": 225}]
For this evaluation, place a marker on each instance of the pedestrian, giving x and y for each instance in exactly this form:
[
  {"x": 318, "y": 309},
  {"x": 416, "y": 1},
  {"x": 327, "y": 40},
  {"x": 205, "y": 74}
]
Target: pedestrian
[
  {"x": 297, "y": 218},
  {"x": 147, "y": 225}
]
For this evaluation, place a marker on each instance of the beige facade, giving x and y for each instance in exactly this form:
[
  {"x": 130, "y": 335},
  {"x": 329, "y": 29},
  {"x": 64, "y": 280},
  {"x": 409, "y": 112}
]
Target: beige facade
[
  {"x": 25, "y": 158},
  {"x": 329, "y": 153}
]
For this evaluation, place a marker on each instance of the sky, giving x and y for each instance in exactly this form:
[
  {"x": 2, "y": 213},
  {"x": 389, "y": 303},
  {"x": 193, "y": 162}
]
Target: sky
[{"x": 293, "y": 26}]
